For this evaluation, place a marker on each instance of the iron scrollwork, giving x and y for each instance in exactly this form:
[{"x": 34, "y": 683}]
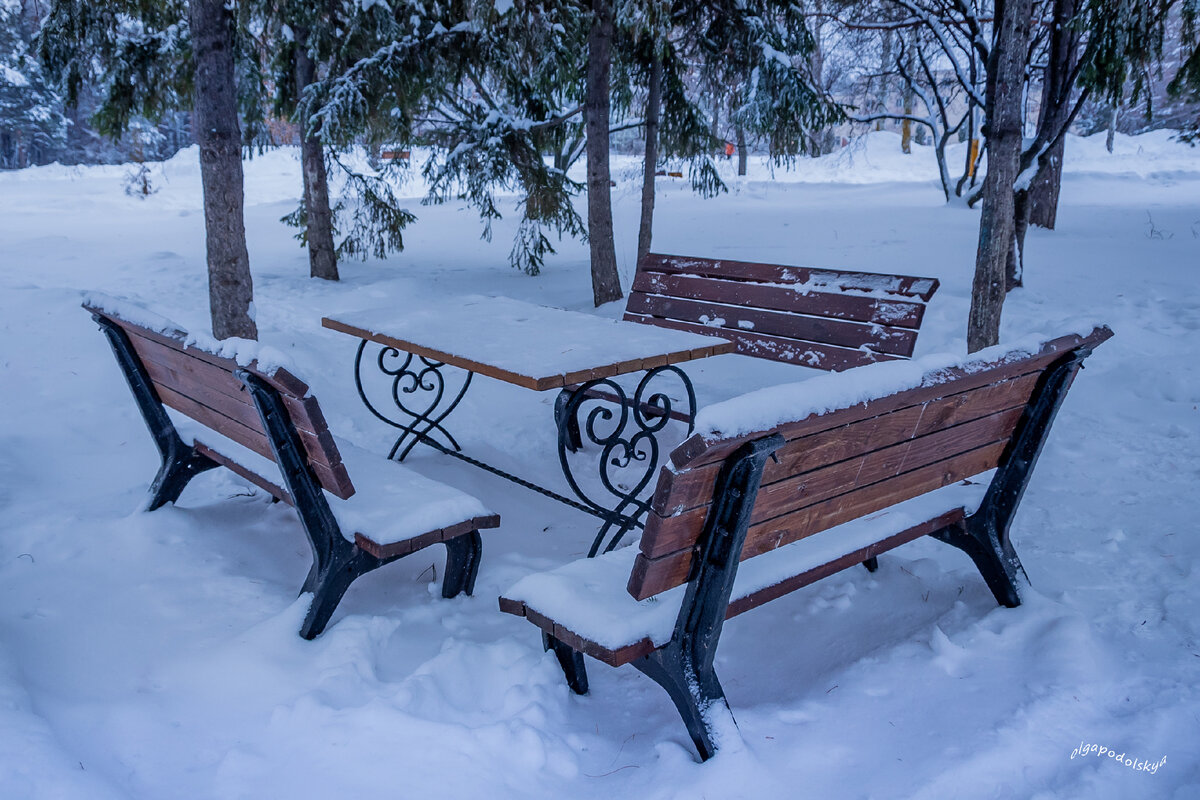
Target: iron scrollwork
[
  {"x": 626, "y": 431},
  {"x": 414, "y": 378}
]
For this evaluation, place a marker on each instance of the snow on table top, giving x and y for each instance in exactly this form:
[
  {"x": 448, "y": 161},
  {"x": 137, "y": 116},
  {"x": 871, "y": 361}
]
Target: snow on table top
[
  {"x": 589, "y": 598},
  {"x": 773, "y": 406},
  {"x": 392, "y": 503},
  {"x": 530, "y": 345}
]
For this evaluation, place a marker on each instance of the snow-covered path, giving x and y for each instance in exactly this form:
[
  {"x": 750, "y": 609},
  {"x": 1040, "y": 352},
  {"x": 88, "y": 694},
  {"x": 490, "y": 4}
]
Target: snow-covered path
[{"x": 155, "y": 655}]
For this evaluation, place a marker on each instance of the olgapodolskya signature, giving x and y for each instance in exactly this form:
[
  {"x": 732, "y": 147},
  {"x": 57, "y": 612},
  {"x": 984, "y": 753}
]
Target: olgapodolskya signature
[{"x": 1139, "y": 765}]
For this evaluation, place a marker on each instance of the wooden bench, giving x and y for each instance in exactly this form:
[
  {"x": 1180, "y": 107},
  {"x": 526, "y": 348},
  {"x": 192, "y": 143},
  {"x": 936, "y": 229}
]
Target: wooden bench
[
  {"x": 848, "y": 479},
  {"x": 263, "y": 424},
  {"x": 823, "y": 318}
]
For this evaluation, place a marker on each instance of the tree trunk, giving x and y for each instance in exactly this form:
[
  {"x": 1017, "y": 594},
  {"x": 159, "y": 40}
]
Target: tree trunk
[
  {"x": 230, "y": 291},
  {"x": 1014, "y": 269},
  {"x": 653, "y": 103},
  {"x": 1112, "y": 128},
  {"x": 322, "y": 257},
  {"x": 1005, "y": 83},
  {"x": 1054, "y": 114},
  {"x": 742, "y": 154},
  {"x": 606, "y": 284}
]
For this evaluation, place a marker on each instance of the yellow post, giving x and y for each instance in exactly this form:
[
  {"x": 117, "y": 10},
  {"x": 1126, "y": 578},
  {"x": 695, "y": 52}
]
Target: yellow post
[{"x": 974, "y": 158}]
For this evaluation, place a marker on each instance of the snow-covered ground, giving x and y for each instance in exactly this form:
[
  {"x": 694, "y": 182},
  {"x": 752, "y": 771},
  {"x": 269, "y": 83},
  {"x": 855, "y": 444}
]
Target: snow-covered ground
[{"x": 155, "y": 655}]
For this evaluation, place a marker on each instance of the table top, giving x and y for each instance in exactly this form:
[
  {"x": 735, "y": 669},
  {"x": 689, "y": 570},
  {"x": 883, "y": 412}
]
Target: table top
[{"x": 533, "y": 346}]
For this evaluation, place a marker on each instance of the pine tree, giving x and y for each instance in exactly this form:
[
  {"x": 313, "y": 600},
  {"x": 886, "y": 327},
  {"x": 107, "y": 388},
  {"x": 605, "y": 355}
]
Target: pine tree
[{"x": 32, "y": 126}]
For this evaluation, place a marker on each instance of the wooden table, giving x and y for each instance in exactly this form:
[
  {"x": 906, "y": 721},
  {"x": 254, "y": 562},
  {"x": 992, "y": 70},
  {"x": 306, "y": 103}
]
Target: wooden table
[{"x": 542, "y": 349}]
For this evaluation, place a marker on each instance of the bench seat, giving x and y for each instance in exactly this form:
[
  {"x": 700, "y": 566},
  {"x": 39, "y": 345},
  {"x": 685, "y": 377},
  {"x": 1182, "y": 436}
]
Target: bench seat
[
  {"x": 394, "y": 510},
  {"x": 586, "y": 604}
]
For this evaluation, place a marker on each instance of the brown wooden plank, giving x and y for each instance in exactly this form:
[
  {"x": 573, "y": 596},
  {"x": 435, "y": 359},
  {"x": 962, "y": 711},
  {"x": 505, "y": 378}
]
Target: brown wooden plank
[
  {"x": 244, "y": 427},
  {"x": 614, "y": 658},
  {"x": 333, "y": 478},
  {"x": 704, "y": 448},
  {"x": 168, "y": 365},
  {"x": 817, "y": 355},
  {"x": 280, "y": 378},
  {"x": 798, "y": 491},
  {"x": 740, "y": 605},
  {"x": 438, "y": 536},
  {"x": 814, "y": 486},
  {"x": 857, "y": 308},
  {"x": 515, "y": 607},
  {"x": 651, "y": 576},
  {"x": 539, "y": 384},
  {"x": 896, "y": 341},
  {"x": 905, "y": 285},
  {"x": 216, "y": 393},
  {"x": 479, "y": 368},
  {"x": 303, "y": 410},
  {"x": 258, "y": 480},
  {"x": 693, "y": 487}
]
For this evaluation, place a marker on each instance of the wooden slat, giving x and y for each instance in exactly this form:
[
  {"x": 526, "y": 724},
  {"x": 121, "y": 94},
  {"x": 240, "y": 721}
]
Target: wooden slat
[
  {"x": 219, "y": 377},
  {"x": 764, "y": 322},
  {"x": 258, "y": 480},
  {"x": 206, "y": 390},
  {"x": 651, "y": 576},
  {"x": 280, "y": 378},
  {"x": 745, "y": 603},
  {"x": 320, "y": 447},
  {"x": 687, "y": 489},
  {"x": 777, "y": 348},
  {"x": 333, "y": 478},
  {"x": 899, "y": 313},
  {"x": 614, "y": 658},
  {"x": 904, "y": 285},
  {"x": 798, "y": 491},
  {"x": 438, "y": 536},
  {"x": 701, "y": 448},
  {"x": 538, "y": 384}
]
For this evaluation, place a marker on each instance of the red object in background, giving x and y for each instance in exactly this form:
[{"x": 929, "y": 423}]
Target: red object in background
[{"x": 729, "y": 149}]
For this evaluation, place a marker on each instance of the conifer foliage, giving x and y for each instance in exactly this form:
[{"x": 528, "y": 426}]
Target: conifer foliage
[{"x": 31, "y": 122}]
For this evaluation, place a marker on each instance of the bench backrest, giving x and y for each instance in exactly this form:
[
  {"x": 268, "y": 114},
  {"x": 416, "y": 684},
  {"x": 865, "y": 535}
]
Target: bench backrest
[
  {"x": 201, "y": 384},
  {"x": 828, "y": 319},
  {"x": 848, "y": 462}
]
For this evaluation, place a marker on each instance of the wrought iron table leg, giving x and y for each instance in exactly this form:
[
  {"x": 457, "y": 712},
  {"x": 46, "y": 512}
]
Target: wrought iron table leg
[
  {"x": 626, "y": 429},
  {"x": 422, "y": 378}
]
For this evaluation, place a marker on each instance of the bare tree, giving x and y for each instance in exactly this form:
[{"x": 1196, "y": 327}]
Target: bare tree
[{"x": 1005, "y": 121}]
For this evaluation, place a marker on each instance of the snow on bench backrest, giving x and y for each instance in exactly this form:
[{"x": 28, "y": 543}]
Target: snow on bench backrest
[
  {"x": 194, "y": 374},
  {"x": 823, "y": 318},
  {"x": 856, "y": 443}
]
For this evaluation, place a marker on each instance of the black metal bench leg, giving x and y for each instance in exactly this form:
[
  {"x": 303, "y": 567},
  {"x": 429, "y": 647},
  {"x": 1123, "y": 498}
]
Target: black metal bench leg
[
  {"x": 331, "y": 584},
  {"x": 995, "y": 559},
  {"x": 570, "y": 660},
  {"x": 872, "y": 563},
  {"x": 696, "y": 693},
  {"x": 462, "y": 564},
  {"x": 180, "y": 464}
]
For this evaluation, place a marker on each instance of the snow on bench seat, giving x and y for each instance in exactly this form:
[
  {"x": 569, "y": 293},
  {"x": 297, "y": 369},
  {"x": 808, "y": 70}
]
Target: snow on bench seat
[
  {"x": 586, "y": 604},
  {"x": 393, "y": 506}
]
